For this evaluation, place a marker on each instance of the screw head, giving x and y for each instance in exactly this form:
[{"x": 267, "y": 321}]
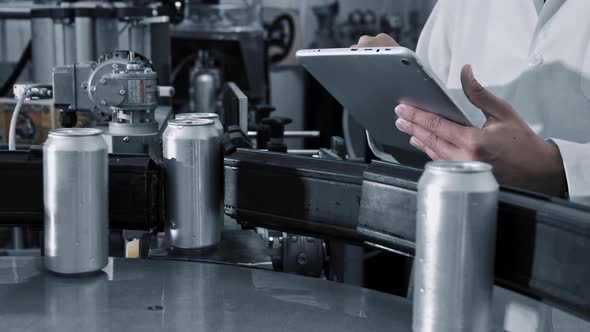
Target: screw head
[
  {"x": 103, "y": 81},
  {"x": 126, "y": 139},
  {"x": 122, "y": 92},
  {"x": 115, "y": 65},
  {"x": 103, "y": 102},
  {"x": 301, "y": 259}
]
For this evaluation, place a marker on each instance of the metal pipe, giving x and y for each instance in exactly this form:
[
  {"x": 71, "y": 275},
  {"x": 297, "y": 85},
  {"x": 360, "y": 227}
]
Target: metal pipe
[
  {"x": 18, "y": 238},
  {"x": 85, "y": 39},
  {"x": 293, "y": 134},
  {"x": 297, "y": 152}
]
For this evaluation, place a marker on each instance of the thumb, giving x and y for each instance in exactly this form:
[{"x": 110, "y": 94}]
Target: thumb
[{"x": 490, "y": 105}]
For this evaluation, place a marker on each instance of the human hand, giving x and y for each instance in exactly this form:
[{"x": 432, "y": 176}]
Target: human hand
[
  {"x": 520, "y": 158},
  {"x": 381, "y": 40}
]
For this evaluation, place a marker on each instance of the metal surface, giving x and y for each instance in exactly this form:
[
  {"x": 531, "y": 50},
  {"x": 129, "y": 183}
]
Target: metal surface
[
  {"x": 63, "y": 35},
  {"x": 302, "y": 255},
  {"x": 149, "y": 295},
  {"x": 205, "y": 82},
  {"x": 204, "y": 86},
  {"x": 235, "y": 107},
  {"x": 237, "y": 247},
  {"x": 122, "y": 84},
  {"x": 207, "y": 116},
  {"x": 194, "y": 190},
  {"x": 75, "y": 181},
  {"x": 293, "y": 134},
  {"x": 455, "y": 246}
]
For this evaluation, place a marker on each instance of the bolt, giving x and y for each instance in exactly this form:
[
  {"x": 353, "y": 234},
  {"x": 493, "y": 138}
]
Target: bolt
[
  {"x": 103, "y": 81},
  {"x": 126, "y": 139},
  {"x": 93, "y": 89},
  {"x": 301, "y": 259},
  {"x": 115, "y": 65},
  {"x": 122, "y": 92},
  {"x": 103, "y": 102}
]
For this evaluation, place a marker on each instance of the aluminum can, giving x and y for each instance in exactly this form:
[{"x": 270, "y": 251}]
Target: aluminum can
[
  {"x": 455, "y": 247},
  {"x": 75, "y": 194},
  {"x": 193, "y": 161},
  {"x": 208, "y": 116}
]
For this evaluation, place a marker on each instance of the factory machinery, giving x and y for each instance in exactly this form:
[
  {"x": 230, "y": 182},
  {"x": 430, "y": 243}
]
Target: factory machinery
[{"x": 290, "y": 211}]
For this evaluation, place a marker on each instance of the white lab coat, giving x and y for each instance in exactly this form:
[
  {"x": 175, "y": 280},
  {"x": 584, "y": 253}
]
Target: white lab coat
[{"x": 535, "y": 56}]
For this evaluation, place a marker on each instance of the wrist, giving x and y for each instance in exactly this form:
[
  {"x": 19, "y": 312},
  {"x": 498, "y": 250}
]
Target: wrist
[{"x": 555, "y": 178}]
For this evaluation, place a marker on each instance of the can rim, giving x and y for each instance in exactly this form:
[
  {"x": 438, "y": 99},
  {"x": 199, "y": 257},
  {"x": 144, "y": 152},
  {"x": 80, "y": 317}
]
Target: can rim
[
  {"x": 75, "y": 132},
  {"x": 454, "y": 166},
  {"x": 184, "y": 116},
  {"x": 190, "y": 122}
]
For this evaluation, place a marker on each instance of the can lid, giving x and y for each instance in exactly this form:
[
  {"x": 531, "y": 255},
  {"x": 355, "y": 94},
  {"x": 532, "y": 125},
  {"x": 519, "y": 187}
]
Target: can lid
[
  {"x": 190, "y": 122},
  {"x": 450, "y": 166},
  {"x": 210, "y": 116},
  {"x": 75, "y": 132}
]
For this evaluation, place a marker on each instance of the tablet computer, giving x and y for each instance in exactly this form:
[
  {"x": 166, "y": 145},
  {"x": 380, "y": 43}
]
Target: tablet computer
[{"x": 371, "y": 82}]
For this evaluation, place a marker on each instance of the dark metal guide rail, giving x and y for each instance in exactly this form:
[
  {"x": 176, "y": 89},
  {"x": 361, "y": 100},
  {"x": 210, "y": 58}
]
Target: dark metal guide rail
[{"x": 543, "y": 243}]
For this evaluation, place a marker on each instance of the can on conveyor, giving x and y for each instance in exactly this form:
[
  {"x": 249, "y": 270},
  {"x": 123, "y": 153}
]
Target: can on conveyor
[
  {"x": 193, "y": 161},
  {"x": 207, "y": 116},
  {"x": 75, "y": 195},
  {"x": 455, "y": 247}
]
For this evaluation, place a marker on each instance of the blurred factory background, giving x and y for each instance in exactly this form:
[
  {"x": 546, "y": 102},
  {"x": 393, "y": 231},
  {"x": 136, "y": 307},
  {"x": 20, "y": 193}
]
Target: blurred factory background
[{"x": 305, "y": 24}]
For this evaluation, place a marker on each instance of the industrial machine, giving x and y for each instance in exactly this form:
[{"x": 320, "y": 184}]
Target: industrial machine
[
  {"x": 122, "y": 86},
  {"x": 319, "y": 213},
  {"x": 220, "y": 43}
]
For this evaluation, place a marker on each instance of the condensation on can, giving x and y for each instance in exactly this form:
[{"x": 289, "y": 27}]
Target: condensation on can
[
  {"x": 193, "y": 161},
  {"x": 75, "y": 196},
  {"x": 455, "y": 247}
]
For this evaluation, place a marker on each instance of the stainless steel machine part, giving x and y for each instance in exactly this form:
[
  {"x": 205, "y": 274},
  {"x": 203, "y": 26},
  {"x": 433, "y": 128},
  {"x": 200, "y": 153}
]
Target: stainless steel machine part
[
  {"x": 70, "y": 34},
  {"x": 205, "y": 82},
  {"x": 139, "y": 295},
  {"x": 455, "y": 247},
  {"x": 207, "y": 116},
  {"x": 75, "y": 195},
  {"x": 194, "y": 193},
  {"x": 293, "y": 134},
  {"x": 121, "y": 83}
]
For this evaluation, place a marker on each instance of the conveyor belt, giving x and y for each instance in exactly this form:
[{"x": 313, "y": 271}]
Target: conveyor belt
[{"x": 543, "y": 243}]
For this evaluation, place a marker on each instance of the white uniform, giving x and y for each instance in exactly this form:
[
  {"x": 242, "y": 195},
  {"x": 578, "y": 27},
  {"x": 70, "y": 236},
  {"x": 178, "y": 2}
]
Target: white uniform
[{"x": 535, "y": 56}]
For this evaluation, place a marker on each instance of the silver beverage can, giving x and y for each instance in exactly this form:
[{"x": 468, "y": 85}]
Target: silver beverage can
[
  {"x": 455, "y": 247},
  {"x": 75, "y": 195},
  {"x": 208, "y": 116},
  {"x": 193, "y": 161}
]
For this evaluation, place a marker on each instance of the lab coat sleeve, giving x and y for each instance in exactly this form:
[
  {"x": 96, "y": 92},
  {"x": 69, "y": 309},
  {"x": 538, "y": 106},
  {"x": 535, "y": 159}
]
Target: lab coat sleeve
[
  {"x": 434, "y": 45},
  {"x": 576, "y": 161}
]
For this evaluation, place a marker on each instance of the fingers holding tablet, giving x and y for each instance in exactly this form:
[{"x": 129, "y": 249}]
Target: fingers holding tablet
[
  {"x": 433, "y": 134},
  {"x": 381, "y": 40}
]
